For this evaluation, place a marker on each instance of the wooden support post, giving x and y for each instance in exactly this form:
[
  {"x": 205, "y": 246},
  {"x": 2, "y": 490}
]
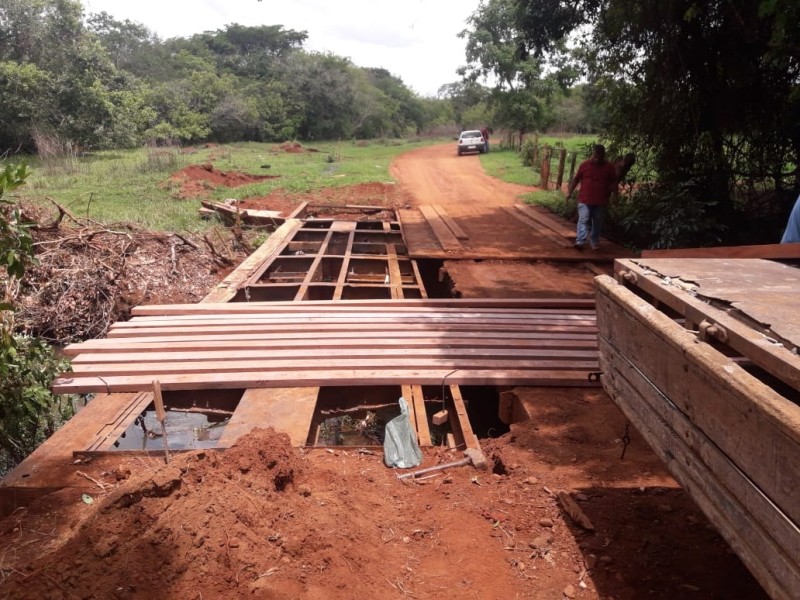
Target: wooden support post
[{"x": 161, "y": 416}]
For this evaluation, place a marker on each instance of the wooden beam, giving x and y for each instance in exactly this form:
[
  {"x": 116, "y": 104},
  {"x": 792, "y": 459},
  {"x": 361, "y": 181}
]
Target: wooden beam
[
  {"x": 766, "y": 251},
  {"x": 343, "y": 340},
  {"x": 450, "y": 222},
  {"x": 254, "y": 263},
  {"x": 459, "y": 419},
  {"x": 324, "y": 305},
  {"x": 747, "y": 420},
  {"x": 741, "y": 337},
  {"x": 525, "y": 217},
  {"x": 763, "y": 537},
  {"x": 446, "y": 239},
  {"x": 288, "y": 410},
  {"x": 331, "y": 377},
  {"x": 110, "y": 431},
  {"x": 423, "y": 429}
]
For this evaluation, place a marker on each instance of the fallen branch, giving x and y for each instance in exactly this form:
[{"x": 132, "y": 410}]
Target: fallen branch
[{"x": 100, "y": 484}]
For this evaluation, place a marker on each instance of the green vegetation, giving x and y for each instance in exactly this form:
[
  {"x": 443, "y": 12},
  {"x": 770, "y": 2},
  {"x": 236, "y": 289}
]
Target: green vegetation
[
  {"x": 137, "y": 185},
  {"x": 505, "y": 164},
  {"x": 28, "y": 411}
]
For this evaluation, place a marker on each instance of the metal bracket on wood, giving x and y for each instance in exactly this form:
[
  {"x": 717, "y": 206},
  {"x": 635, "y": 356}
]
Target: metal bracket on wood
[
  {"x": 629, "y": 277},
  {"x": 708, "y": 329},
  {"x": 594, "y": 376}
]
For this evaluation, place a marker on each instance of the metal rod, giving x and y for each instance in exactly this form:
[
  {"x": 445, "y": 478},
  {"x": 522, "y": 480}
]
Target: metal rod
[{"x": 457, "y": 463}]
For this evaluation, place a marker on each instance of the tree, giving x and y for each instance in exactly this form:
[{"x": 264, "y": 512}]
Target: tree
[
  {"x": 521, "y": 92},
  {"x": 708, "y": 89}
]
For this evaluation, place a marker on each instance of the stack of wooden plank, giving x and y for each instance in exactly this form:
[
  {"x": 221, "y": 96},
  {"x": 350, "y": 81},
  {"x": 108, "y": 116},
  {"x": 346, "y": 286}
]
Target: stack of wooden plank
[
  {"x": 700, "y": 354},
  {"x": 257, "y": 345}
]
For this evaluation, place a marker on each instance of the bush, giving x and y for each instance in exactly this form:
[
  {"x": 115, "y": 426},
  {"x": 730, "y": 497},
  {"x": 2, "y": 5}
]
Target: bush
[{"x": 28, "y": 411}]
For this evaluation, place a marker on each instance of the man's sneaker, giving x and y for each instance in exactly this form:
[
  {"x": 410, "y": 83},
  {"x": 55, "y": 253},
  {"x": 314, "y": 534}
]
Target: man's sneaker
[
  {"x": 595, "y": 247},
  {"x": 577, "y": 246}
]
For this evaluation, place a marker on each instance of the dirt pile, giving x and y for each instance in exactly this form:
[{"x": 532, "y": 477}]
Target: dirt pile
[
  {"x": 264, "y": 520},
  {"x": 197, "y": 180}
]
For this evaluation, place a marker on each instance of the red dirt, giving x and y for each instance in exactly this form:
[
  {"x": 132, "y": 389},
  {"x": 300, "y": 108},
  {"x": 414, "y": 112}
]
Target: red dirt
[
  {"x": 198, "y": 179},
  {"x": 267, "y": 521}
]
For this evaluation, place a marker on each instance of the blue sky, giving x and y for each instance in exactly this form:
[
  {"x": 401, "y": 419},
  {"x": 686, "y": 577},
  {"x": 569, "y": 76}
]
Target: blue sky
[{"x": 415, "y": 40}]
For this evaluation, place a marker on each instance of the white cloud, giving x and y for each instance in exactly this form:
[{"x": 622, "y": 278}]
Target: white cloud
[{"x": 415, "y": 40}]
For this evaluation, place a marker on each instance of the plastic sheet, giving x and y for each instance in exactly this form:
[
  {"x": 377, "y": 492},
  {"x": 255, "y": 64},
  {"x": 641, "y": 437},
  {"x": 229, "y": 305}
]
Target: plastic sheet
[{"x": 400, "y": 448}]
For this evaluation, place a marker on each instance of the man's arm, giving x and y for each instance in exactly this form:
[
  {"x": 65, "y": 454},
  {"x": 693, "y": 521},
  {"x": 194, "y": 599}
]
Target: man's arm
[{"x": 575, "y": 181}]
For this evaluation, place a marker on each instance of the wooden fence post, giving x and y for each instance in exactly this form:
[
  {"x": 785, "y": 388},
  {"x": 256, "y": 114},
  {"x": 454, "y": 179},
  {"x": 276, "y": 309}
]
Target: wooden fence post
[
  {"x": 544, "y": 180},
  {"x": 562, "y": 158},
  {"x": 572, "y": 162}
]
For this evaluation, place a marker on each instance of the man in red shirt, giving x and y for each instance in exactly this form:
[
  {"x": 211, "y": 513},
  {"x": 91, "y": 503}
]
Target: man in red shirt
[{"x": 598, "y": 180}]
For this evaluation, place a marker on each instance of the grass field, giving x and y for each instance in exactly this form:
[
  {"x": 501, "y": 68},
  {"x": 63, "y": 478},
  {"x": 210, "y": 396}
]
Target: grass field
[{"x": 136, "y": 185}]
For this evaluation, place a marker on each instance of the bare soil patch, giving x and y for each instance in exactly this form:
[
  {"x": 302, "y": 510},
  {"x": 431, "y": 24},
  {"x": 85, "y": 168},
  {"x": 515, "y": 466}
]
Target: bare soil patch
[{"x": 197, "y": 180}]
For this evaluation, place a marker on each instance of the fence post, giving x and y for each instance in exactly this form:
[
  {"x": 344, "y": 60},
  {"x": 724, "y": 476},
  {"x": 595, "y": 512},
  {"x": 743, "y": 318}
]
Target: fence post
[
  {"x": 544, "y": 179},
  {"x": 562, "y": 158},
  {"x": 572, "y": 162}
]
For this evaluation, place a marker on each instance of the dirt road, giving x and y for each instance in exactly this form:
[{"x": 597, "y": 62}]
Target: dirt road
[{"x": 436, "y": 174}]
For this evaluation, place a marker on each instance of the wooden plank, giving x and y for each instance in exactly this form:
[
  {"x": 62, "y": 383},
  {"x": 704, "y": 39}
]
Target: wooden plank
[
  {"x": 395, "y": 276},
  {"x": 459, "y": 419},
  {"x": 423, "y": 429},
  {"x": 337, "y": 340},
  {"x": 131, "y": 327},
  {"x": 299, "y": 212},
  {"x": 497, "y": 330},
  {"x": 311, "y": 363},
  {"x": 748, "y": 421},
  {"x": 447, "y": 240},
  {"x": 558, "y": 226},
  {"x": 418, "y": 279},
  {"x": 227, "y": 288},
  {"x": 361, "y": 314},
  {"x": 408, "y": 395},
  {"x": 510, "y": 326},
  {"x": 755, "y": 343},
  {"x": 68, "y": 384},
  {"x": 763, "y": 537},
  {"x": 231, "y": 361},
  {"x": 341, "y": 279},
  {"x": 48, "y": 460},
  {"x": 110, "y": 431},
  {"x": 766, "y": 251},
  {"x": 432, "y": 350},
  {"x": 312, "y": 275},
  {"x": 253, "y": 343},
  {"x": 437, "y": 303},
  {"x": 289, "y": 410},
  {"x": 524, "y": 217},
  {"x": 450, "y": 222}
]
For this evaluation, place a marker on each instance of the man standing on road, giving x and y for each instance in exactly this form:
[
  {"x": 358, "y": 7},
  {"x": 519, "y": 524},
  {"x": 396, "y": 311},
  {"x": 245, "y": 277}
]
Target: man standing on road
[
  {"x": 598, "y": 180},
  {"x": 485, "y": 135}
]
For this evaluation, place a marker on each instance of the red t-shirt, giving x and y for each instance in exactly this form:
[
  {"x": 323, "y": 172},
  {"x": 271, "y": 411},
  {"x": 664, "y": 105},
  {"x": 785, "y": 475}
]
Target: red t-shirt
[{"x": 598, "y": 181}]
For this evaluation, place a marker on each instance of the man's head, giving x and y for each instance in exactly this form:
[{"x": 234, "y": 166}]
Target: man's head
[{"x": 598, "y": 153}]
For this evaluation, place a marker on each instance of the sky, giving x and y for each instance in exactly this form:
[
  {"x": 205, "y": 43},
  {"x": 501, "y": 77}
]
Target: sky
[{"x": 416, "y": 40}]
